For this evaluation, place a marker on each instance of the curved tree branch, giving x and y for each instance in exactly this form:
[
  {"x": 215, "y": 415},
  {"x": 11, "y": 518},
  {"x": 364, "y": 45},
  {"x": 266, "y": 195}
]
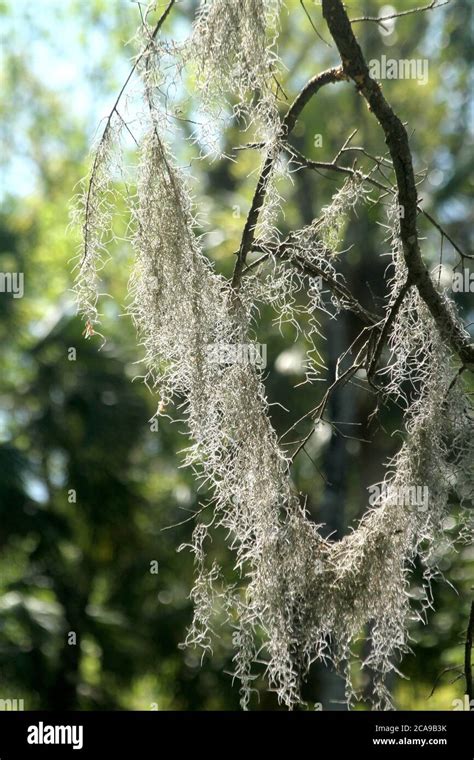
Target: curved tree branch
[
  {"x": 330, "y": 76},
  {"x": 396, "y": 137}
]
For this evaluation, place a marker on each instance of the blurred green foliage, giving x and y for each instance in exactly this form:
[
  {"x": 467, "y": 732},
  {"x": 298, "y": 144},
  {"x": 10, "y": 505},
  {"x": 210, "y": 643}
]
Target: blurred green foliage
[{"x": 90, "y": 496}]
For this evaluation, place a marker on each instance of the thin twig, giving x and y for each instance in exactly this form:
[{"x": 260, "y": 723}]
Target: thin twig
[
  {"x": 331, "y": 166},
  {"x": 446, "y": 235},
  {"x": 318, "y": 412},
  {"x": 439, "y": 677},
  {"x": 312, "y": 24},
  {"x": 380, "y": 19},
  {"x": 390, "y": 319}
]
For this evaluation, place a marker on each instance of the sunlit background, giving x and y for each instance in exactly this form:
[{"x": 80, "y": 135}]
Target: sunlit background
[{"x": 92, "y": 498}]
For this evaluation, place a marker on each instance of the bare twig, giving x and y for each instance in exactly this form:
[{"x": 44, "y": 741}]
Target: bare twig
[
  {"x": 333, "y": 167},
  {"x": 312, "y": 24},
  {"x": 346, "y": 143},
  {"x": 380, "y": 19},
  {"x": 317, "y": 413},
  {"x": 445, "y": 234},
  {"x": 439, "y": 677}
]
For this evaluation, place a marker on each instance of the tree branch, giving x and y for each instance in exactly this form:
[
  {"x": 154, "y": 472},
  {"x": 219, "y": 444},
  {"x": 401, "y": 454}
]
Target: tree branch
[
  {"x": 387, "y": 326},
  {"x": 330, "y": 76},
  {"x": 332, "y": 166},
  {"x": 396, "y": 138},
  {"x": 286, "y": 251},
  {"x": 380, "y": 161}
]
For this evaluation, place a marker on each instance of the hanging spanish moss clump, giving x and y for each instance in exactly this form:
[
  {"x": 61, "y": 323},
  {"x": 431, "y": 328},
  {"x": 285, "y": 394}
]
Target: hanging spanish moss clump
[
  {"x": 300, "y": 597},
  {"x": 303, "y": 263},
  {"x": 93, "y": 211},
  {"x": 233, "y": 51},
  {"x": 310, "y": 598},
  {"x": 232, "y": 48}
]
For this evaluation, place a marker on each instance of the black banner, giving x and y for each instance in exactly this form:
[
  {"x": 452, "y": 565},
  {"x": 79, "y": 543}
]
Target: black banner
[{"x": 157, "y": 734}]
